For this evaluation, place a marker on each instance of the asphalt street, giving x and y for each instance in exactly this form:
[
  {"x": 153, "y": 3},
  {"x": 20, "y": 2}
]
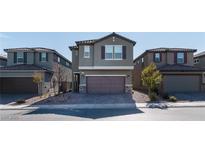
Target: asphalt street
[{"x": 170, "y": 114}]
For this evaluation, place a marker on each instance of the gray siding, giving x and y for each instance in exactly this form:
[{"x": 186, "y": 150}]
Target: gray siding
[
  {"x": 3, "y": 62},
  {"x": 10, "y": 60},
  {"x": 109, "y": 41},
  {"x": 85, "y": 61},
  {"x": 47, "y": 64},
  {"x": 201, "y": 61}
]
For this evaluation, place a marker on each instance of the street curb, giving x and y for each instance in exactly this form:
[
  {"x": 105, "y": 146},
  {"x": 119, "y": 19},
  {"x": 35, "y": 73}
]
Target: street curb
[{"x": 94, "y": 106}]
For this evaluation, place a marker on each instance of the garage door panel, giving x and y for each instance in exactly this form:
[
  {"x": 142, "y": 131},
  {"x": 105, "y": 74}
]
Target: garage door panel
[
  {"x": 105, "y": 84},
  {"x": 18, "y": 85},
  {"x": 181, "y": 83}
]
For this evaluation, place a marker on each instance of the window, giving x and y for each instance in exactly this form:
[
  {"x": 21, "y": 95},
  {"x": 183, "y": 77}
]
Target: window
[
  {"x": 203, "y": 77},
  {"x": 59, "y": 59},
  {"x": 117, "y": 52},
  {"x": 19, "y": 57},
  {"x": 180, "y": 58},
  {"x": 157, "y": 57},
  {"x": 113, "y": 52},
  {"x": 67, "y": 64},
  {"x": 43, "y": 56},
  {"x": 142, "y": 60},
  {"x": 86, "y": 51}
]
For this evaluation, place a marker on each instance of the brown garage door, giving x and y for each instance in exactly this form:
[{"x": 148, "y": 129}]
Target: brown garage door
[
  {"x": 105, "y": 84},
  {"x": 181, "y": 83},
  {"x": 18, "y": 85}
]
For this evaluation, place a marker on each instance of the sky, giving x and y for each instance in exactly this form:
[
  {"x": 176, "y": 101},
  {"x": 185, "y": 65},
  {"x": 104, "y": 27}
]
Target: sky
[{"x": 60, "y": 41}]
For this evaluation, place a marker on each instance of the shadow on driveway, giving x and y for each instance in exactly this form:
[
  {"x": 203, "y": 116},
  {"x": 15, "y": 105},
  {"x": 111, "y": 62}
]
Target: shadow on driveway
[
  {"x": 9, "y": 98},
  {"x": 78, "y": 99},
  {"x": 87, "y": 113}
]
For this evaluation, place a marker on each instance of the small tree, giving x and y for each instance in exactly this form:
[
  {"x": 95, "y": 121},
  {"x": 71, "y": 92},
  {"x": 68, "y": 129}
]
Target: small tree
[
  {"x": 151, "y": 78},
  {"x": 38, "y": 78}
]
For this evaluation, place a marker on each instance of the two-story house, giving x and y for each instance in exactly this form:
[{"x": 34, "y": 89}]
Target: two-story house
[
  {"x": 3, "y": 61},
  {"x": 103, "y": 65},
  {"x": 199, "y": 59},
  {"x": 25, "y": 63},
  {"x": 176, "y": 66}
]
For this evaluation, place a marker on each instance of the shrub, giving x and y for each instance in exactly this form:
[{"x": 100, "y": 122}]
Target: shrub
[
  {"x": 165, "y": 96},
  {"x": 20, "y": 101},
  {"x": 151, "y": 79},
  {"x": 153, "y": 96},
  {"x": 172, "y": 99}
]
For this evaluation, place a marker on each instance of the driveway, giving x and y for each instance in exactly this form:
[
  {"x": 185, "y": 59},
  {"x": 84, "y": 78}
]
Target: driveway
[
  {"x": 76, "y": 98},
  {"x": 9, "y": 98},
  {"x": 190, "y": 97}
]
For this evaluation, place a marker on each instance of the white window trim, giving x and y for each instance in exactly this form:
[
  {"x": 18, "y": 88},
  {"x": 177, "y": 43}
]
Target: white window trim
[
  {"x": 42, "y": 57},
  {"x": 180, "y": 58},
  {"x": 106, "y": 67},
  {"x": 84, "y": 55},
  {"x": 113, "y": 53},
  {"x": 155, "y": 57},
  {"x": 20, "y": 57}
]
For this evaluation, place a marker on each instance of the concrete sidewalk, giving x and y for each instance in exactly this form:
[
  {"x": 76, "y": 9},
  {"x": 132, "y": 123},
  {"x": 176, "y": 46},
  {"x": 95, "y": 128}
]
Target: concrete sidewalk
[{"x": 101, "y": 106}]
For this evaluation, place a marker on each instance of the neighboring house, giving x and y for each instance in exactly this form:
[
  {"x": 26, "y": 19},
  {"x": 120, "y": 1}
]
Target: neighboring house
[
  {"x": 3, "y": 61},
  {"x": 103, "y": 65},
  {"x": 24, "y": 63},
  {"x": 176, "y": 66},
  {"x": 199, "y": 59}
]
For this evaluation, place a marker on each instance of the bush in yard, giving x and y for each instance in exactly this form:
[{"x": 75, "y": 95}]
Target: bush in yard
[
  {"x": 172, "y": 99},
  {"x": 21, "y": 101},
  {"x": 151, "y": 79},
  {"x": 153, "y": 96}
]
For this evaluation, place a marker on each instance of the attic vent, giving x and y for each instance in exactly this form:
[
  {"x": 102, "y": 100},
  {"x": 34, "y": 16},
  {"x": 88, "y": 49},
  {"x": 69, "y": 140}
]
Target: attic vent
[{"x": 113, "y": 39}]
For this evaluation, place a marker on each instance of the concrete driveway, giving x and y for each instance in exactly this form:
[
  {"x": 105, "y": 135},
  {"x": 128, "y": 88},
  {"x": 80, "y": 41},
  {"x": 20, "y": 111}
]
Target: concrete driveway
[
  {"x": 76, "y": 98},
  {"x": 9, "y": 98}
]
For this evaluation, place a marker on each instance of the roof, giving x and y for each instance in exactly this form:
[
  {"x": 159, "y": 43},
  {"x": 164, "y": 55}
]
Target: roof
[
  {"x": 2, "y": 57},
  {"x": 180, "y": 68},
  {"x": 35, "y": 49},
  {"x": 73, "y": 47},
  {"x": 164, "y": 49},
  {"x": 86, "y": 42},
  {"x": 199, "y": 54},
  {"x": 25, "y": 67},
  {"x": 93, "y": 41}
]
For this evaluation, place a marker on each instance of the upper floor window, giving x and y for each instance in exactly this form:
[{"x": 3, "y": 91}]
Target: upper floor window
[
  {"x": 59, "y": 59},
  {"x": 20, "y": 57},
  {"x": 180, "y": 58},
  {"x": 86, "y": 51},
  {"x": 157, "y": 57},
  {"x": 113, "y": 52},
  {"x": 142, "y": 60},
  {"x": 43, "y": 56}
]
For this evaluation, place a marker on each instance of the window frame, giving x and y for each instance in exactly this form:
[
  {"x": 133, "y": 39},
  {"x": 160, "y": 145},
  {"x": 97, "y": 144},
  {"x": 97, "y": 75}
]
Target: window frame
[
  {"x": 155, "y": 58},
  {"x": 20, "y": 57},
  {"x": 42, "y": 57},
  {"x": 178, "y": 53},
  {"x": 86, "y": 51},
  {"x": 113, "y": 52}
]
